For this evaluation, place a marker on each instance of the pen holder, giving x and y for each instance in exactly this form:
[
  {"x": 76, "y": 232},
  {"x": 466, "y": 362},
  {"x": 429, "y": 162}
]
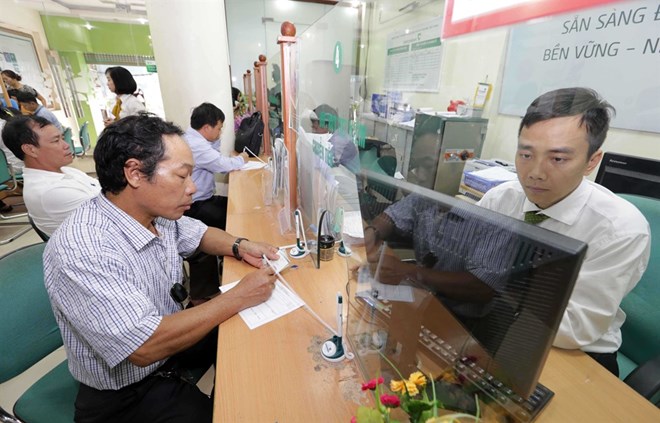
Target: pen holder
[{"x": 326, "y": 247}]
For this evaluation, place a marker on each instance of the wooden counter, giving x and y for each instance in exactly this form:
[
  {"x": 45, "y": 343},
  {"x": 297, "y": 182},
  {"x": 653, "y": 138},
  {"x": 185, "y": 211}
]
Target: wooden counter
[{"x": 275, "y": 373}]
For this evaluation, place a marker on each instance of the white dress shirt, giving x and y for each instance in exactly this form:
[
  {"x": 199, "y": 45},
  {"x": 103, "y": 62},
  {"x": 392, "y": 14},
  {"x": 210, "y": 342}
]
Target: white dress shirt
[
  {"x": 51, "y": 196},
  {"x": 208, "y": 161},
  {"x": 618, "y": 238},
  {"x": 130, "y": 105}
]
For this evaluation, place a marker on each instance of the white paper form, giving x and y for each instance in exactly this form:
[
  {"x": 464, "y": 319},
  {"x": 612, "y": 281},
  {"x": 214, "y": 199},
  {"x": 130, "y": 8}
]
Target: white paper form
[
  {"x": 281, "y": 302},
  {"x": 370, "y": 288},
  {"x": 252, "y": 165}
]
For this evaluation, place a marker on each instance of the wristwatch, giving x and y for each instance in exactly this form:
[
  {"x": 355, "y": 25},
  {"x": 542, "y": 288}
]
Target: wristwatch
[{"x": 234, "y": 248}]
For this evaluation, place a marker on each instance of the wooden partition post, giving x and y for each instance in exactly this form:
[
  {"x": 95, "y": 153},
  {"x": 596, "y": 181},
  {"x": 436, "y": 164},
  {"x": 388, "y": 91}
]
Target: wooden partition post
[
  {"x": 289, "y": 68},
  {"x": 248, "y": 91},
  {"x": 261, "y": 90}
]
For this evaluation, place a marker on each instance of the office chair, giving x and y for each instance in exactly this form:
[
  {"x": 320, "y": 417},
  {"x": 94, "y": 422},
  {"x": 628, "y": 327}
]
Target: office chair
[
  {"x": 85, "y": 141},
  {"x": 367, "y": 157},
  {"x": 68, "y": 137},
  {"x": 29, "y": 333},
  {"x": 377, "y": 196},
  {"x": 9, "y": 183},
  {"x": 639, "y": 355}
]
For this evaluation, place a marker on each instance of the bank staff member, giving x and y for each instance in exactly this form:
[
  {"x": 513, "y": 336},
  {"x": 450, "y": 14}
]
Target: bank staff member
[
  {"x": 128, "y": 102},
  {"x": 109, "y": 270},
  {"x": 559, "y": 143}
]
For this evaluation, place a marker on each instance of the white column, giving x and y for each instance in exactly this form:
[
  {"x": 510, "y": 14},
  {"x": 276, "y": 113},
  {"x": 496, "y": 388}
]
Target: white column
[{"x": 192, "y": 54}]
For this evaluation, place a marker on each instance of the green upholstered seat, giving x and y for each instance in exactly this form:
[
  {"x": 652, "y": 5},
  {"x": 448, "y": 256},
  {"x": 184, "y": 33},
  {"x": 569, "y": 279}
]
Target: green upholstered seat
[
  {"x": 52, "y": 395},
  {"x": 641, "y": 330},
  {"x": 85, "y": 140},
  {"x": 29, "y": 333},
  {"x": 17, "y": 228},
  {"x": 68, "y": 137}
]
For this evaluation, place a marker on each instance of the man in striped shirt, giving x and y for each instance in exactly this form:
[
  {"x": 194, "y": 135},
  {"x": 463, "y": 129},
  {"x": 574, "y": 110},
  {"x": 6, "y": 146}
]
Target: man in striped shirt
[{"x": 109, "y": 271}]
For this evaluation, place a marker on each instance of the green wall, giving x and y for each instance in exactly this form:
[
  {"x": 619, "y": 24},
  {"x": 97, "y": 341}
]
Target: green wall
[
  {"x": 72, "y": 39},
  {"x": 69, "y": 34}
]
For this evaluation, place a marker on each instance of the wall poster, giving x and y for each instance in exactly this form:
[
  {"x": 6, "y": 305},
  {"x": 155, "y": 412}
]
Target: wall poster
[
  {"x": 413, "y": 58},
  {"x": 18, "y": 53}
]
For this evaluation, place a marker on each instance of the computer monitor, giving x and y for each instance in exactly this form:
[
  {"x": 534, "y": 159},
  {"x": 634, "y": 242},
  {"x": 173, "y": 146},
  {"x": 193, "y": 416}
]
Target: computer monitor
[
  {"x": 625, "y": 174},
  {"x": 410, "y": 304}
]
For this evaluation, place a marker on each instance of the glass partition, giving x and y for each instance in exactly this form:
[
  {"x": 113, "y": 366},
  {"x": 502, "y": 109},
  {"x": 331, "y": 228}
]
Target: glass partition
[
  {"x": 470, "y": 298},
  {"x": 327, "y": 146}
]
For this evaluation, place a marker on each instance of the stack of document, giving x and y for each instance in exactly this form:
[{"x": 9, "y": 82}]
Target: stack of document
[{"x": 485, "y": 179}]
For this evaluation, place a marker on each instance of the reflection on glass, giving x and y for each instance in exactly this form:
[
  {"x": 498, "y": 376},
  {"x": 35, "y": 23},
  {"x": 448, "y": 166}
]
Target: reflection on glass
[{"x": 469, "y": 297}]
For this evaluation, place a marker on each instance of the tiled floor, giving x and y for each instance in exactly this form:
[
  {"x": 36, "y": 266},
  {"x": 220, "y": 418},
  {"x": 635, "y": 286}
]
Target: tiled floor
[{"x": 12, "y": 389}]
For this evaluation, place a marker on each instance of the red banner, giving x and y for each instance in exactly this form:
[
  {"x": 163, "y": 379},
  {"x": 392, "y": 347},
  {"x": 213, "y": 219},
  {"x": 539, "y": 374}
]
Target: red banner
[{"x": 461, "y": 17}]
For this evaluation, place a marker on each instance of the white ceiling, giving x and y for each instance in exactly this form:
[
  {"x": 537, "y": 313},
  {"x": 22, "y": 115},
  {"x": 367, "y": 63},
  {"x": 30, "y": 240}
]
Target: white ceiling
[{"x": 108, "y": 10}]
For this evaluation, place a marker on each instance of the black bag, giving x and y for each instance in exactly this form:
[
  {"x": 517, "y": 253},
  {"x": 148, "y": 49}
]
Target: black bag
[{"x": 250, "y": 134}]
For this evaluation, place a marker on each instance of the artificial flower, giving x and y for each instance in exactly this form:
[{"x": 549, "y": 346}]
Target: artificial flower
[
  {"x": 418, "y": 379},
  {"x": 371, "y": 385},
  {"x": 404, "y": 386},
  {"x": 390, "y": 401}
]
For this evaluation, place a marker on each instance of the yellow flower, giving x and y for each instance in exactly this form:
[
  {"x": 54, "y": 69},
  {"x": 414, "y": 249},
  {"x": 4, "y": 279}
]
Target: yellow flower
[
  {"x": 412, "y": 388},
  {"x": 418, "y": 379},
  {"x": 397, "y": 386}
]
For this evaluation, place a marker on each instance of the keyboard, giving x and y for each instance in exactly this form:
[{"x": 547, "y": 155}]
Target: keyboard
[{"x": 490, "y": 389}]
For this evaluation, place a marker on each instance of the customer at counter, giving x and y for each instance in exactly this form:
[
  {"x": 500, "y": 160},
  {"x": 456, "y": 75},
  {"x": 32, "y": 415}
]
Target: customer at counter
[
  {"x": 113, "y": 270},
  {"x": 206, "y": 124}
]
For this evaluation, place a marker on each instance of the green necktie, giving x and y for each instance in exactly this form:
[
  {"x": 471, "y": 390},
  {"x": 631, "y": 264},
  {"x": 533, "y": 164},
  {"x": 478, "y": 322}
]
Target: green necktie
[{"x": 535, "y": 217}]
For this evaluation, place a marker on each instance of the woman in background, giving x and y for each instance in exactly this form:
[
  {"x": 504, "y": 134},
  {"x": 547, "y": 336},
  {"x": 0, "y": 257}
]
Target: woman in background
[
  {"x": 121, "y": 82},
  {"x": 13, "y": 82}
]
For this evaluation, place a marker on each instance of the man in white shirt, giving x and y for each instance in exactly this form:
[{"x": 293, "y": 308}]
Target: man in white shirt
[
  {"x": 206, "y": 124},
  {"x": 559, "y": 144},
  {"x": 51, "y": 190}
]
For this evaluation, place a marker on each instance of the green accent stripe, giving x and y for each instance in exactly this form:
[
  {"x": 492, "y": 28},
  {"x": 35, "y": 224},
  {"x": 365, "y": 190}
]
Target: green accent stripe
[
  {"x": 434, "y": 42},
  {"x": 398, "y": 50}
]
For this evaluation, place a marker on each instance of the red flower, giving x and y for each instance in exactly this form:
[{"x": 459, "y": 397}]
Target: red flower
[
  {"x": 353, "y": 419},
  {"x": 371, "y": 385},
  {"x": 391, "y": 401}
]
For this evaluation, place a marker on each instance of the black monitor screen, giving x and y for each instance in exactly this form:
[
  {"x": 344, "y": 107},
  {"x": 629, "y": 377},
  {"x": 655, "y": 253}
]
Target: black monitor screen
[
  {"x": 443, "y": 281},
  {"x": 625, "y": 174}
]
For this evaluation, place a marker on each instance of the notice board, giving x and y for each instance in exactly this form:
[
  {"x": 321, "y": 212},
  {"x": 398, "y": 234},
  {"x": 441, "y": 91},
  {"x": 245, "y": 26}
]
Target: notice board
[
  {"x": 413, "y": 58},
  {"x": 18, "y": 53},
  {"x": 614, "y": 50}
]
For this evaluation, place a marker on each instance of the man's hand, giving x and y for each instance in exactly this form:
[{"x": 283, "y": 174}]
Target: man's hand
[
  {"x": 389, "y": 269},
  {"x": 255, "y": 287},
  {"x": 252, "y": 252}
]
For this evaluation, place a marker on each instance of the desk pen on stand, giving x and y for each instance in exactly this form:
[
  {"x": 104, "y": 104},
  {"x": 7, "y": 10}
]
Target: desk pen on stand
[
  {"x": 300, "y": 250},
  {"x": 333, "y": 348}
]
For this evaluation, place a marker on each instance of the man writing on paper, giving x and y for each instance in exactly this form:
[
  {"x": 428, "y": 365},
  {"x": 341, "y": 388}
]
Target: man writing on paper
[
  {"x": 110, "y": 269},
  {"x": 206, "y": 124}
]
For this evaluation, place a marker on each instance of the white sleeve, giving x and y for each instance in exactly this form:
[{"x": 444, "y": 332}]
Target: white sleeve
[{"x": 610, "y": 270}]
